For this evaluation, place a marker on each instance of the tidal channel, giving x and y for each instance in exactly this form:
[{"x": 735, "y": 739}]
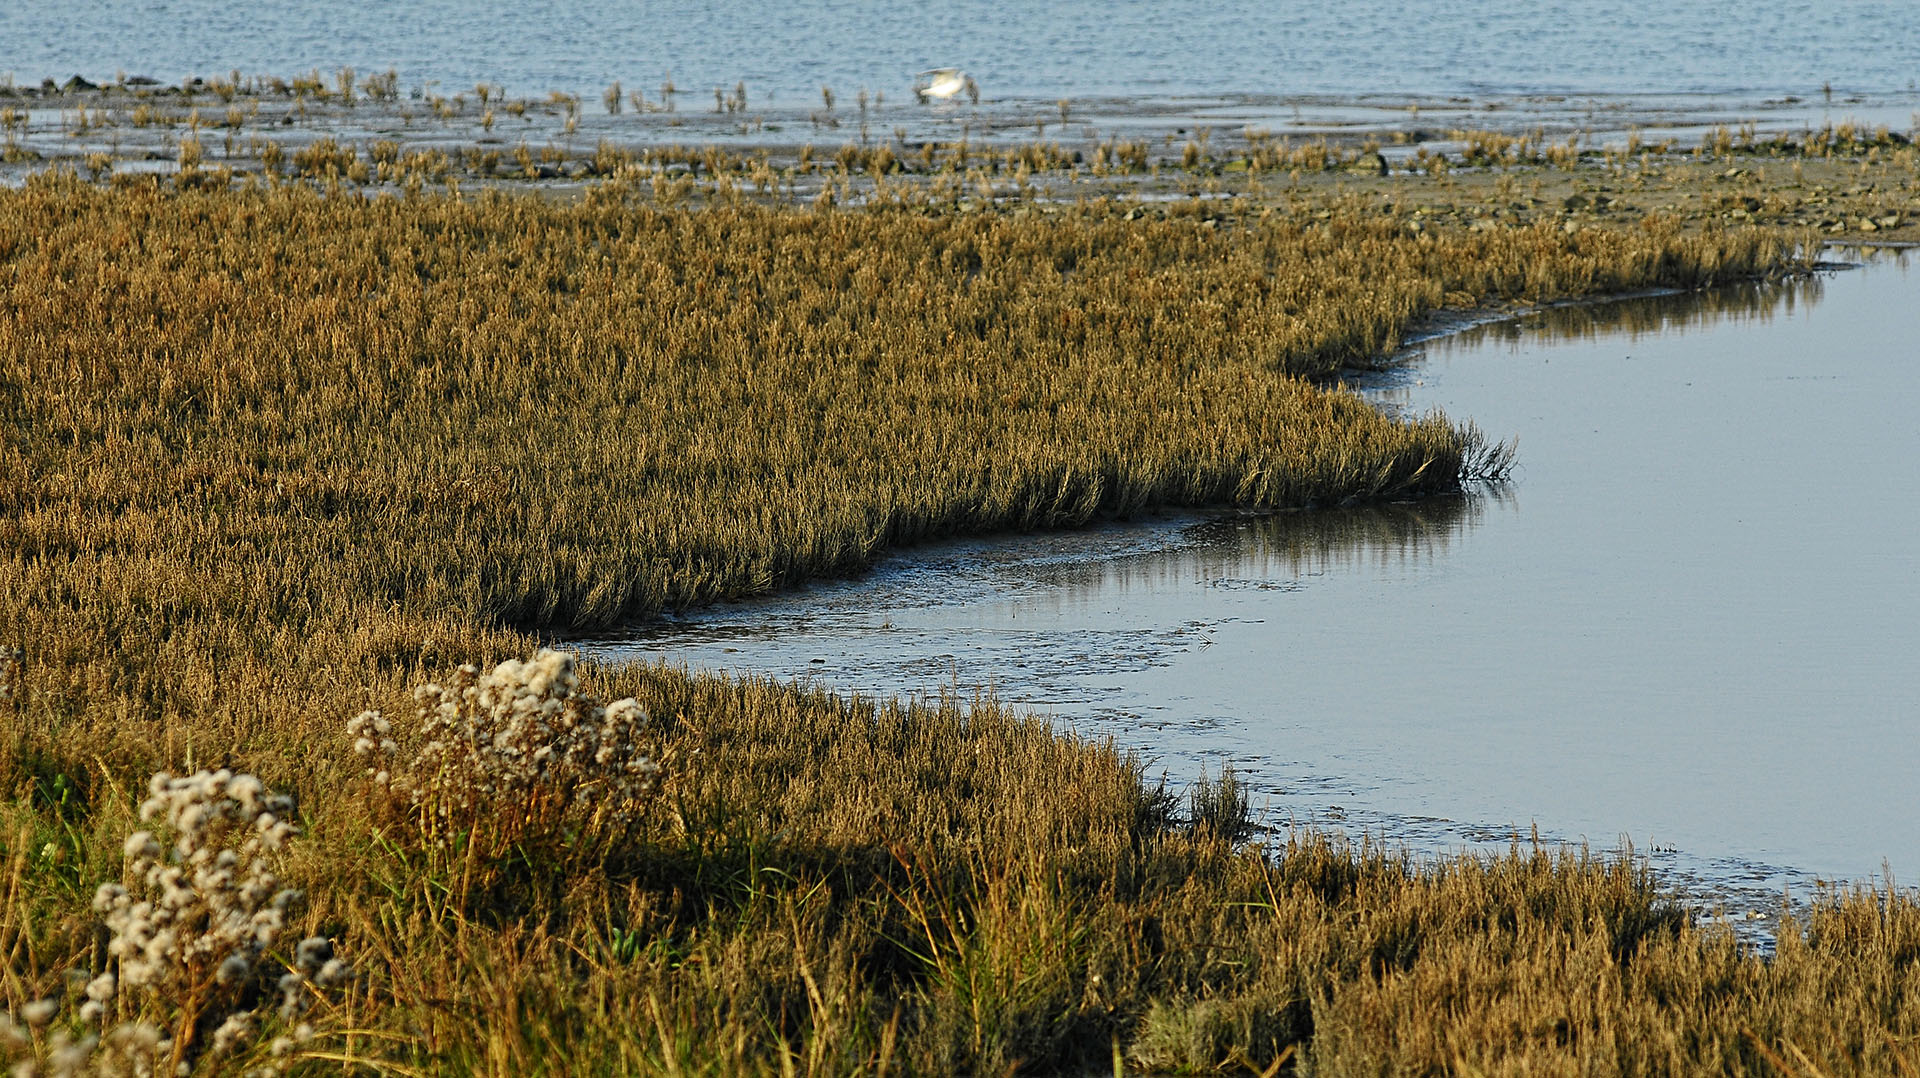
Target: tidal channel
[{"x": 1689, "y": 621}]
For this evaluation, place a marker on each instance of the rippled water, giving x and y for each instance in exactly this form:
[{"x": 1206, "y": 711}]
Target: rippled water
[
  {"x": 1690, "y": 618},
  {"x": 1163, "y": 47}
]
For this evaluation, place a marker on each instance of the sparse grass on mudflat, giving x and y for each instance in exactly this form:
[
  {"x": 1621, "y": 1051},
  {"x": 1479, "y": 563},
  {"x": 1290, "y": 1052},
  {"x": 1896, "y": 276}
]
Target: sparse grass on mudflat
[{"x": 274, "y": 457}]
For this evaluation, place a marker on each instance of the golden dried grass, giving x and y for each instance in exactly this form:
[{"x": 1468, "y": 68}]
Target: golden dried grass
[{"x": 274, "y": 456}]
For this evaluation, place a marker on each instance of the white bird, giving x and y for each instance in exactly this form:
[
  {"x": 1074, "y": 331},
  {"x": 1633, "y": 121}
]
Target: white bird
[{"x": 941, "y": 82}]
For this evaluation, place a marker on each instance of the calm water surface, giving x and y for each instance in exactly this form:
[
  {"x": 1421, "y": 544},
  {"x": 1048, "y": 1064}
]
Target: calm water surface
[
  {"x": 1689, "y": 619},
  {"x": 1163, "y": 47}
]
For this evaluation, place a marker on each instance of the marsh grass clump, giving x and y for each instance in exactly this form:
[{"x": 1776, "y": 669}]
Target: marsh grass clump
[
  {"x": 1266, "y": 154},
  {"x": 1220, "y": 808},
  {"x": 1113, "y": 156},
  {"x": 324, "y": 157},
  {"x": 384, "y": 87},
  {"x": 1491, "y": 149},
  {"x": 1214, "y": 1034}
]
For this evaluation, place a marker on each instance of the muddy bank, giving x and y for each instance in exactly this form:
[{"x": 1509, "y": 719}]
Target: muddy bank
[{"x": 1832, "y": 169}]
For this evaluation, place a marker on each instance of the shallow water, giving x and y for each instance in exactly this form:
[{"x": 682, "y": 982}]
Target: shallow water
[
  {"x": 1366, "y": 71},
  {"x": 1689, "y": 619},
  {"x": 1041, "y": 51}
]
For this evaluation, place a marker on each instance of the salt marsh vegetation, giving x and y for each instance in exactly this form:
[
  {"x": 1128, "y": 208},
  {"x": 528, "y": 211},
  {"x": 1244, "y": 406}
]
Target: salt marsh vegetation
[{"x": 298, "y": 480}]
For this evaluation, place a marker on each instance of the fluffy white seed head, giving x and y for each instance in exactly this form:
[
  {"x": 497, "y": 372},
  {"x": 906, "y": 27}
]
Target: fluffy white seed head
[
  {"x": 520, "y": 732},
  {"x": 199, "y": 917},
  {"x": 232, "y": 1033}
]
